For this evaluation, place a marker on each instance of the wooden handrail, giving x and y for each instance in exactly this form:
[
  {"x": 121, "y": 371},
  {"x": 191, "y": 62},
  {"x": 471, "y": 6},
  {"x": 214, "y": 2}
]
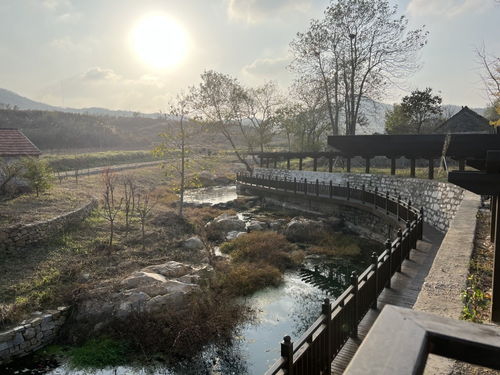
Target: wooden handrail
[{"x": 390, "y": 259}]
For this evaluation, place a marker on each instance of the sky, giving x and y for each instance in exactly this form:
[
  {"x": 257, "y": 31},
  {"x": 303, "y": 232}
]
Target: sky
[{"x": 86, "y": 53}]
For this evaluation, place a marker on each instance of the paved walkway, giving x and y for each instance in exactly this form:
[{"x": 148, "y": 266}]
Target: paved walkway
[{"x": 405, "y": 287}]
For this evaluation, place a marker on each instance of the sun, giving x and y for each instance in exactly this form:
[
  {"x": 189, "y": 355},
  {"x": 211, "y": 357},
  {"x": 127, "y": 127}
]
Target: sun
[{"x": 159, "y": 41}]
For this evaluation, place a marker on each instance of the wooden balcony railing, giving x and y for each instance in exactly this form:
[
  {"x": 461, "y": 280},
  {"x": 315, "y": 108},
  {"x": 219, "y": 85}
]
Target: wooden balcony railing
[{"x": 314, "y": 351}]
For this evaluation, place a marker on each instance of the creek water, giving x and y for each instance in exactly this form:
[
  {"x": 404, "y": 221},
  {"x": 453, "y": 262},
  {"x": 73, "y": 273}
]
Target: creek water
[{"x": 285, "y": 310}]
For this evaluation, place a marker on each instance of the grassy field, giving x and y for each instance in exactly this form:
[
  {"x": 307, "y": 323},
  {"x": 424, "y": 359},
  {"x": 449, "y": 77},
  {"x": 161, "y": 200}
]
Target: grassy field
[{"x": 70, "y": 162}]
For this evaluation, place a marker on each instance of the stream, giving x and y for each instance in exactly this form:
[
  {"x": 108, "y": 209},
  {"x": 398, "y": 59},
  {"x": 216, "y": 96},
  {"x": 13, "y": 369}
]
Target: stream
[{"x": 285, "y": 310}]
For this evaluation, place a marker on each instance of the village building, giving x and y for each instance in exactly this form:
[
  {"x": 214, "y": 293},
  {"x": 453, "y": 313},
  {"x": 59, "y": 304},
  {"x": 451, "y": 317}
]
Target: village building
[
  {"x": 465, "y": 121},
  {"x": 15, "y": 145}
]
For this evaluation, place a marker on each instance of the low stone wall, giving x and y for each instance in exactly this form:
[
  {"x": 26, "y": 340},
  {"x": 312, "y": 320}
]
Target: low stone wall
[
  {"x": 439, "y": 199},
  {"x": 32, "y": 334},
  {"x": 447, "y": 278},
  {"x": 19, "y": 235}
]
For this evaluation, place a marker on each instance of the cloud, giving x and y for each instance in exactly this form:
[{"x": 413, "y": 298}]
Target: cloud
[
  {"x": 447, "y": 8},
  {"x": 103, "y": 87},
  {"x": 267, "y": 69},
  {"x": 100, "y": 74},
  {"x": 253, "y": 11},
  {"x": 54, "y": 4}
]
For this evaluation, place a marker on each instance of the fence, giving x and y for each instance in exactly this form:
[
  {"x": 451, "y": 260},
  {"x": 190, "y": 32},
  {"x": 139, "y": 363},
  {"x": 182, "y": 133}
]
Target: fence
[{"x": 318, "y": 346}]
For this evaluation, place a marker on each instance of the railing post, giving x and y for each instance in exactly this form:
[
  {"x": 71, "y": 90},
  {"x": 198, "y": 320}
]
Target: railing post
[
  {"x": 408, "y": 209},
  {"x": 421, "y": 225},
  {"x": 326, "y": 309},
  {"x": 295, "y": 185},
  {"x": 305, "y": 186},
  {"x": 389, "y": 253},
  {"x": 348, "y": 191},
  {"x": 403, "y": 249},
  {"x": 363, "y": 193},
  {"x": 284, "y": 184},
  {"x": 399, "y": 204},
  {"x": 287, "y": 353},
  {"x": 317, "y": 187},
  {"x": 387, "y": 202},
  {"x": 411, "y": 238},
  {"x": 330, "y": 192},
  {"x": 375, "y": 277},
  {"x": 354, "y": 283}
]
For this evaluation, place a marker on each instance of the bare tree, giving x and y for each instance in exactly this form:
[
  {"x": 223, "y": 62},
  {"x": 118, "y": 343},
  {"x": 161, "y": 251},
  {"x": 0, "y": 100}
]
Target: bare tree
[
  {"x": 215, "y": 99},
  {"x": 363, "y": 47},
  {"x": 8, "y": 172},
  {"x": 110, "y": 206},
  {"x": 144, "y": 205},
  {"x": 177, "y": 140},
  {"x": 129, "y": 188}
]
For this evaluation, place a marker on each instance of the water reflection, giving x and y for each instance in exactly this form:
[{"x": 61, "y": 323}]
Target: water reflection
[{"x": 211, "y": 195}]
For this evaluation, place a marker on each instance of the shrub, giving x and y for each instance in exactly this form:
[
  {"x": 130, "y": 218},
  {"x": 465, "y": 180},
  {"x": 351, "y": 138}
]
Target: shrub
[
  {"x": 38, "y": 174},
  {"x": 211, "y": 315},
  {"x": 263, "y": 247},
  {"x": 336, "y": 244},
  {"x": 246, "y": 278}
]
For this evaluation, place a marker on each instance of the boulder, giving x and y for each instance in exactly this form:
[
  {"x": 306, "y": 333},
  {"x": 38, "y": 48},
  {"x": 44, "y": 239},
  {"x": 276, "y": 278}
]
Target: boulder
[
  {"x": 193, "y": 243},
  {"x": 256, "y": 225},
  {"x": 300, "y": 229},
  {"x": 234, "y": 234},
  {"x": 170, "y": 269},
  {"x": 227, "y": 223}
]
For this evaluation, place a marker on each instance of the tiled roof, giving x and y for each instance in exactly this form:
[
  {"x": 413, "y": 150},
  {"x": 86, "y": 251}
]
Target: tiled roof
[{"x": 14, "y": 143}]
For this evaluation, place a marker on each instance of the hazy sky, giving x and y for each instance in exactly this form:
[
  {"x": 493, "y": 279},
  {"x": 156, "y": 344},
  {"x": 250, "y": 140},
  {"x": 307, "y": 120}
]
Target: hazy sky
[{"x": 79, "y": 53}]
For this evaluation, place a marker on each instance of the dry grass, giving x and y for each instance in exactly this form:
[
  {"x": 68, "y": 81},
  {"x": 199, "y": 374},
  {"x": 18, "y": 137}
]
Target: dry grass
[{"x": 28, "y": 208}]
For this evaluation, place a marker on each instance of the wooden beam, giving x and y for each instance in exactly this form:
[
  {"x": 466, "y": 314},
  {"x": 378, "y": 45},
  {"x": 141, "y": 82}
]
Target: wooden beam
[
  {"x": 393, "y": 166},
  {"x": 431, "y": 169},
  {"x": 412, "y": 167},
  {"x": 495, "y": 295}
]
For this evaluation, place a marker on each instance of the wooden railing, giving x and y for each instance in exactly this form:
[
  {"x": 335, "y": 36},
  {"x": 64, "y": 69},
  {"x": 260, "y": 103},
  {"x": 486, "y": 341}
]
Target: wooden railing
[{"x": 314, "y": 351}]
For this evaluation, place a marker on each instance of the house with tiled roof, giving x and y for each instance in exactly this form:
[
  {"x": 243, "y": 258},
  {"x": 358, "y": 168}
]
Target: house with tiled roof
[
  {"x": 465, "y": 121},
  {"x": 14, "y": 145}
]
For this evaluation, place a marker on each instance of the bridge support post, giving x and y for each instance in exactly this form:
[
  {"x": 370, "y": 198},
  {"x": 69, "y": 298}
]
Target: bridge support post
[
  {"x": 493, "y": 209},
  {"x": 412, "y": 167},
  {"x": 461, "y": 165},
  {"x": 326, "y": 309},
  {"x": 393, "y": 166},
  {"x": 403, "y": 250},
  {"x": 288, "y": 163},
  {"x": 389, "y": 254},
  {"x": 305, "y": 186},
  {"x": 375, "y": 277},
  {"x": 330, "y": 190},
  {"x": 348, "y": 164},
  {"x": 348, "y": 191},
  {"x": 387, "y": 202},
  {"x": 287, "y": 354},
  {"x": 315, "y": 164},
  {"x": 295, "y": 185},
  {"x": 431, "y": 169},
  {"x": 367, "y": 165},
  {"x": 330, "y": 164},
  {"x": 399, "y": 204},
  {"x": 284, "y": 184},
  {"x": 363, "y": 189},
  {"x": 410, "y": 241},
  {"x": 317, "y": 187},
  {"x": 300, "y": 164},
  {"x": 354, "y": 283}
]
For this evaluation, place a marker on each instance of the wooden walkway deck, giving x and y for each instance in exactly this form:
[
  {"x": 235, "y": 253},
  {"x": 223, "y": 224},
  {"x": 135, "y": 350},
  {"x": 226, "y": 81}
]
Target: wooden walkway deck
[{"x": 405, "y": 287}]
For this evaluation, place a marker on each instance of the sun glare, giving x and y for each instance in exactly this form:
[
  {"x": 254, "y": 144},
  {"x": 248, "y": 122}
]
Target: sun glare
[{"x": 159, "y": 41}]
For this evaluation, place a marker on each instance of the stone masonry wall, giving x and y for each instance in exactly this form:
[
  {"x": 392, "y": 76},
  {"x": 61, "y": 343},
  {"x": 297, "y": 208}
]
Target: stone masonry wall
[
  {"x": 440, "y": 200},
  {"x": 19, "y": 235},
  {"x": 31, "y": 334}
]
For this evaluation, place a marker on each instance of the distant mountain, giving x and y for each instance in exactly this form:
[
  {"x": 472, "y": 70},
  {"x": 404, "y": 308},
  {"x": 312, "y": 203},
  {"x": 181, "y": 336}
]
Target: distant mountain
[{"x": 9, "y": 99}]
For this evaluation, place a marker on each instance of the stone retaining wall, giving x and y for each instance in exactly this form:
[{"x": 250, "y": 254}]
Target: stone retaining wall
[
  {"x": 32, "y": 334},
  {"x": 439, "y": 199},
  {"x": 19, "y": 235}
]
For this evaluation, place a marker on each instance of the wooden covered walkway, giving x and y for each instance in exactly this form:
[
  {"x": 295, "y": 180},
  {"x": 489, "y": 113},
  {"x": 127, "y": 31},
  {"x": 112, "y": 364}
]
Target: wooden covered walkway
[{"x": 405, "y": 287}]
